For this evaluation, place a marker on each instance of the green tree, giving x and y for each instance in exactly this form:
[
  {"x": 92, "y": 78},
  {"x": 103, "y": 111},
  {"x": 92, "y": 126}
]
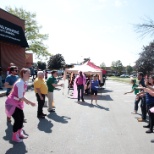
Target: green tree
[
  {"x": 129, "y": 69},
  {"x": 32, "y": 31},
  {"x": 117, "y": 66},
  {"x": 145, "y": 62},
  {"x": 41, "y": 65},
  {"x": 56, "y": 62},
  {"x": 102, "y": 65}
]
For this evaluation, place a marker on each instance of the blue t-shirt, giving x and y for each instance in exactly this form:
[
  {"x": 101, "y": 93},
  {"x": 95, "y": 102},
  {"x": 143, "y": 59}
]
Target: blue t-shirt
[
  {"x": 11, "y": 79},
  {"x": 94, "y": 84},
  {"x": 149, "y": 99}
]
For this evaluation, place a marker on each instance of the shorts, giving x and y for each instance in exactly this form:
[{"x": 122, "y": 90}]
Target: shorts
[{"x": 93, "y": 92}]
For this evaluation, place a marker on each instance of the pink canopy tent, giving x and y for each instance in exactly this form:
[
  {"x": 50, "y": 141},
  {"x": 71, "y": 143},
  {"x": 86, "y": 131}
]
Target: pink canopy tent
[
  {"x": 91, "y": 64},
  {"x": 86, "y": 69}
]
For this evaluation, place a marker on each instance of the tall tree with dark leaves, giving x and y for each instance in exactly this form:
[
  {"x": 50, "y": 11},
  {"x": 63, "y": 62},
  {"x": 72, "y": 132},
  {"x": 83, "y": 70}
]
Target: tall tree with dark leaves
[
  {"x": 41, "y": 65},
  {"x": 145, "y": 63},
  {"x": 56, "y": 62}
]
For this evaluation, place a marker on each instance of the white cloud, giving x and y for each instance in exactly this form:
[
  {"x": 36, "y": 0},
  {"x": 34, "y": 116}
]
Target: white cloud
[{"x": 120, "y": 3}]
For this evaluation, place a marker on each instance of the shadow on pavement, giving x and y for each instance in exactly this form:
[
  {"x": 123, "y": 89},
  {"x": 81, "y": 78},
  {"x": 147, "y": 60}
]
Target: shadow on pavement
[
  {"x": 106, "y": 91},
  {"x": 61, "y": 119},
  {"x": 18, "y": 148},
  {"x": 100, "y": 97},
  {"x": 45, "y": 125},
  {"x": 101, "y": 107},
  {"x": 92, "y": 105},
  {"x": 8, "y": 132}
]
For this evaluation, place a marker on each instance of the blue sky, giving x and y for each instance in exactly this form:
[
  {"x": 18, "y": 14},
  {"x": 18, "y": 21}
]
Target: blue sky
[{"x": 100, "y": 29}]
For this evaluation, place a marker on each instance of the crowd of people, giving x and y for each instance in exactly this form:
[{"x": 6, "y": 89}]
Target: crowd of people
[
  {"x": 144, "y": 92},
  {"x": 85, "y": 84},
  {"x": 16, "y": 84}
]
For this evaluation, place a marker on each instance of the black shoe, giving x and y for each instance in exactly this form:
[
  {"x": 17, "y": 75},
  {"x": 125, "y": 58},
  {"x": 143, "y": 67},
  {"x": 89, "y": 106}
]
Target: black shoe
[
  {"x": 52, "y": 110},
  {"x": 25, "y": 121},
  {"x": 148, "y": 126},
  {"x": 41, "y": 117},
  {"x": 44, "y": 114},
  {"x": 149, "y": 131},
  {"x": 152, "y": 141}
]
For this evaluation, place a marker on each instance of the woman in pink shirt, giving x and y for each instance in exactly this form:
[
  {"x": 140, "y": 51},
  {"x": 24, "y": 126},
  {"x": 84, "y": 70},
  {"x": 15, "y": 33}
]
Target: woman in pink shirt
[
  {"x": 80, "y": 82},
  {"x": 15, "y": 103}
]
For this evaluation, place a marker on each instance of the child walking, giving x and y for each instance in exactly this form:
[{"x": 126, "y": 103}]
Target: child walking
[
  {"x": 94, "y": 89},
  {"x": 137, "y": 99}
]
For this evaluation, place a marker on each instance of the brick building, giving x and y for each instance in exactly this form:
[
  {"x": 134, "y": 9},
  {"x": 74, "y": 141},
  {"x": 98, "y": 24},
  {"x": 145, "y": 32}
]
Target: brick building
[{"x": 12, "y": 40}]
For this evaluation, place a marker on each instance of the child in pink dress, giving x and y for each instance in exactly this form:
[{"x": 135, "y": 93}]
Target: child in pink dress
[{"x": 15, "y": 103}]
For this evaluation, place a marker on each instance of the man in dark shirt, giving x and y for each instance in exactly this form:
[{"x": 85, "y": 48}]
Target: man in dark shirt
[
  {"x": 140, "y": 77},
  {"x": 11, "y": 79}
]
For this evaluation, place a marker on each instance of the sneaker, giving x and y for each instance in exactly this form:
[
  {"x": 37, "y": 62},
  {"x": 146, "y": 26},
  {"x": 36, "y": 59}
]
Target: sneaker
[
  {"x": 41, "y": 117},
  {"x": 140, "y": 120},
  {"x": 134, "y": 112},
  {"x": 21, "y": 134},
  {"x": 148, "y": 126},
  {"x": 149, "y": 131},
  {"x": 15, "y": 137},
  {"x": 44, "y": 114},
  {"x": 52, "y": 110}
]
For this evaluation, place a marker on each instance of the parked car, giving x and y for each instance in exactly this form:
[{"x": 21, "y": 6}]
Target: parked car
[
  {"x": 124, "y": 76},
  {"x": 133, "y": 76}
]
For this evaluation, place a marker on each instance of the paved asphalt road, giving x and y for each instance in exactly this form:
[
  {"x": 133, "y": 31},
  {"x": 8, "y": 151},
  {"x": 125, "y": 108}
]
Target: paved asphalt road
[{"x": 108, "y": 128}]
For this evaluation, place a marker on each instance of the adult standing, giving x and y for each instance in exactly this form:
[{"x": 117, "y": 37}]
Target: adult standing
[
  {"x": 15, "y": 104},
  {"x": 41, "y": 90},
  {"x": 80, "y": 82},
  {"x": 52, "y": 83},
  {"x": 140, "y": 77},
  {"x": 8, "y": 69},
  {"x": 9, "y": 82},
  {"x": 94, "y": 84}
]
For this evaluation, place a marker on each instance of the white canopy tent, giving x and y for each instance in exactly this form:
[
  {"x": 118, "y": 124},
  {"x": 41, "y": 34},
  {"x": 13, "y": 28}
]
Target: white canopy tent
[{"x": 86, "y": 69}]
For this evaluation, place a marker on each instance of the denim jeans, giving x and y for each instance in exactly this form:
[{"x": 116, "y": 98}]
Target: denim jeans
[
  {"x": 1, "y": 81},
  {"x": 80, "y": 89},
  {"x": 136, "y": 104},
  {"x": 143, "y": 108}
]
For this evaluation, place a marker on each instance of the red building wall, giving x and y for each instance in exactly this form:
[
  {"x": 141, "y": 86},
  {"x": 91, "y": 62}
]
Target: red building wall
[{"x": 10, "y": 52}]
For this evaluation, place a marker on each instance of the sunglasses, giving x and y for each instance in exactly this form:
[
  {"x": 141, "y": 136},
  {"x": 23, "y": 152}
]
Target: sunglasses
[{"x": 15, "y": 70}]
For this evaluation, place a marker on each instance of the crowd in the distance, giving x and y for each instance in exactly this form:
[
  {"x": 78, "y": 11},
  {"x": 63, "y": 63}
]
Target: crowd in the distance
[{"x": 144, "y": 92}]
